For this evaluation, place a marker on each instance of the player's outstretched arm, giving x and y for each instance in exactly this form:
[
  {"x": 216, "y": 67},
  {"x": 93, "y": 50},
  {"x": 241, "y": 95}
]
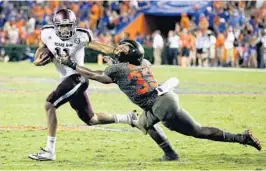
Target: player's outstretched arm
[
  {"x": 94, "y": 75},
  {"x": 40, "y": 59},
  {"x": 106, "y": 49},
  {"x": 86, "y": 72}
]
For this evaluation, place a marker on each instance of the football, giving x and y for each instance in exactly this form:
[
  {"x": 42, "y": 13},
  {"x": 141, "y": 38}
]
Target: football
[{"x": 47, "y": 58}]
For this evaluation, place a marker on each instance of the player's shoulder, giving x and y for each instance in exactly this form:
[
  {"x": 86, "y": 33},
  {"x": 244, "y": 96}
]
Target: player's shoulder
[
  {"x": 47, "y": 31},
  {"x": 115, "y": 68},
  {"x": 48, "y": 27},
  {"x": 85, "y": 32},
  {"x": 145, "y": 62},
  {"x": 121, "y": 65}
]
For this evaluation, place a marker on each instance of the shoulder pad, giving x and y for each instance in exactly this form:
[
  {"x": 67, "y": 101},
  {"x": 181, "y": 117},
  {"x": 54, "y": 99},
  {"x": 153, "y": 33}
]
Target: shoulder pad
[
  {"x": 85, "y": 31},
  {"x": 48, "y": 26}
]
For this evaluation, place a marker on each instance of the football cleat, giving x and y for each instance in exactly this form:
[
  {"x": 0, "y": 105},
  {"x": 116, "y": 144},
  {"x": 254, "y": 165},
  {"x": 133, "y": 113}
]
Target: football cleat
[
  {"x": 44, "y": 155},
  {"x": 251, "y": 140},
  {"x": 133, "y": 117},
  {"x": 170, "y": 157},
  {"x": 135, "y": 121}
]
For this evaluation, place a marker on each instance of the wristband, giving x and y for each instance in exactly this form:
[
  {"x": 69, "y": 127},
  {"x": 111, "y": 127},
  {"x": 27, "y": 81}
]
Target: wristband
[{"x": 72, "y": 64}]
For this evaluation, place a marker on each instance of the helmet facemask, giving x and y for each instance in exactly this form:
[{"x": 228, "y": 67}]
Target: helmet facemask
[
  {"x": 65, "y": 23},
  {"x": 65, "y": 31},
  {"x": 135, "y": 54}
]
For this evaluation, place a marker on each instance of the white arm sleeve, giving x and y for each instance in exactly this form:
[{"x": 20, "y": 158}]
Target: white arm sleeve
[{"x": 43, "y": 36}]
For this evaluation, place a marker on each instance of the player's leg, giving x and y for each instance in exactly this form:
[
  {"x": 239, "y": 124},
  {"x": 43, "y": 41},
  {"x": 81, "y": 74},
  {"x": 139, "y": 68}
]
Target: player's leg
[
  {"x": 81, "y": 104},
  {"x": 157, "y": 134},
  {"x": 51, "y": 119},
  {"x": 199, "y": 57},
  {"x": 64, "y": 91},
  {"x": 264, "y": 56},
  {"x": 254, "y": 58},
  {"x": 205, "y": 59},
  {"x": 181, "y": 121},
  {"x": 148, "y": 123}
]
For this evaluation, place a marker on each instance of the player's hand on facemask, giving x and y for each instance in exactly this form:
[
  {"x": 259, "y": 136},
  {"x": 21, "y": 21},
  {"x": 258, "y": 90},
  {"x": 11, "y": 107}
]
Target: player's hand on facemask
[{"x": 121, "y": 49}]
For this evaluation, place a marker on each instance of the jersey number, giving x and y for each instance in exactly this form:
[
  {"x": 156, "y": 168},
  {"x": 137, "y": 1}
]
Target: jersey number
[
  {"x": 62, "y": 51},
  {"x": 144, "y": 80}
]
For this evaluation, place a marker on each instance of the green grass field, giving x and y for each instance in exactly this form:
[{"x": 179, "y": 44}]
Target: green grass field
[{"x": 231, "y": 100}]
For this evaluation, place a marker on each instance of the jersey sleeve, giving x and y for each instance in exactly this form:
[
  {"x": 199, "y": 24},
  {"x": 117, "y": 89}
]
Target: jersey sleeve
[
  {"x": 43, "y": 36},
  {"x": 88, "y": 35},
  {"x": 112, "y": 71},
  {"x": 146, "y": 62},
  {"x": 45, "y": 32}
]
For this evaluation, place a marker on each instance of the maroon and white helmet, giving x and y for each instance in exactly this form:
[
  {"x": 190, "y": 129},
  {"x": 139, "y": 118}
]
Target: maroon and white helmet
[{"x": 65, "y": 23}]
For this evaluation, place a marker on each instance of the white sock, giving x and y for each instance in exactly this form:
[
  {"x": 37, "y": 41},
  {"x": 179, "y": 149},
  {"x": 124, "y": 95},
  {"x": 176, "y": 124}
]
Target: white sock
[
  {"x": 51, "y": 144},
  {"x": 122, "y": 119}
]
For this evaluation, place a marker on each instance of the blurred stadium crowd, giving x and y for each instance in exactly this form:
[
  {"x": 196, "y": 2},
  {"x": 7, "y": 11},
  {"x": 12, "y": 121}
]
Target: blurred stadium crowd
[
  {"x": 21, "y": 21},
  {"x": 230, "y": 34}
]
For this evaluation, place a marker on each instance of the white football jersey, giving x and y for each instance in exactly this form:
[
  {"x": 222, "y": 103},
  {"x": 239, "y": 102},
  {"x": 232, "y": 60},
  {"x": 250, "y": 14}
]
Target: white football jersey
[{"x": 74, "y": 47}]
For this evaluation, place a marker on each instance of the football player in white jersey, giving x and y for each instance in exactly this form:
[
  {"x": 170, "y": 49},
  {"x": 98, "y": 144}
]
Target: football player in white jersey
[{"x": 64, "y": 38}]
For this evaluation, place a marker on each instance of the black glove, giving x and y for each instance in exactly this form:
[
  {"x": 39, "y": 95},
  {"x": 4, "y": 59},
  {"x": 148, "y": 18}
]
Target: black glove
[{"x": 72, "y": 64}]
